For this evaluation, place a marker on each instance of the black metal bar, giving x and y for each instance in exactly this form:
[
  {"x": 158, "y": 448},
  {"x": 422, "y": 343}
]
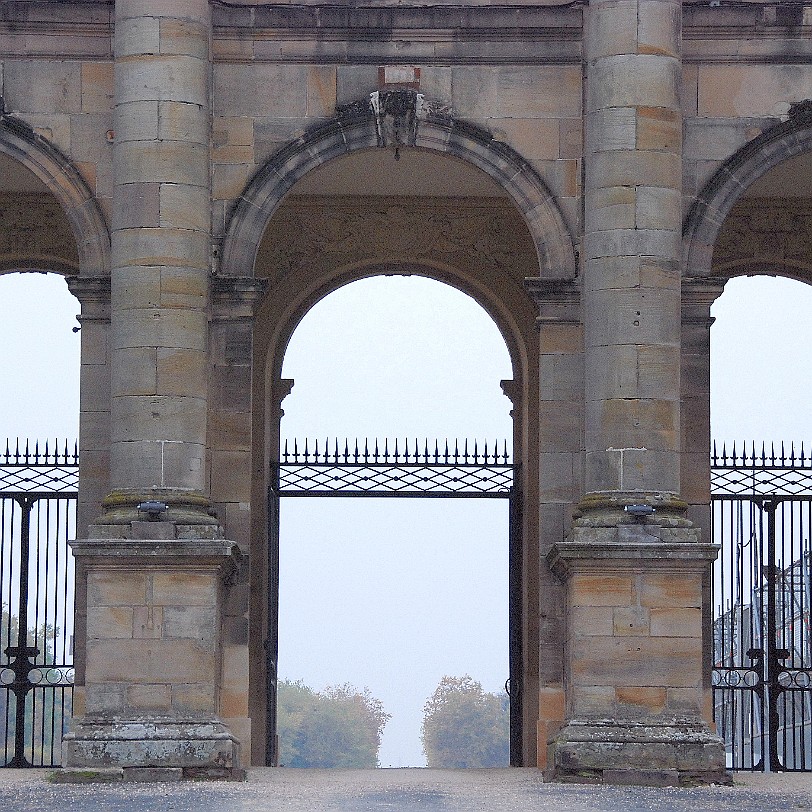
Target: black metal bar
[
  {"x": 272, "y": 636},
  {"x": 515, "y": 603}
]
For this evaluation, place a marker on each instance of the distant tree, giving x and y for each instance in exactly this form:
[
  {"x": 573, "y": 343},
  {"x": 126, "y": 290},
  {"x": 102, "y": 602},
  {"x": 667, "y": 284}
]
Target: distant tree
[
  {"x": 339, "y": 727},
  {"x": 463, "y": 726}
]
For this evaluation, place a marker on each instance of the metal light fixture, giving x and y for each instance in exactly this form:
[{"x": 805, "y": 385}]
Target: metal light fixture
[{"x": 153, "y": 508}]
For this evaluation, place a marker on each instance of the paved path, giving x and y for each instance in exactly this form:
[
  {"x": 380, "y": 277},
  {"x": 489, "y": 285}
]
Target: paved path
[{"x": 413, "y": 790}]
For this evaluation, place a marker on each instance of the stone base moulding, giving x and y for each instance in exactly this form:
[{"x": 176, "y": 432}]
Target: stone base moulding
[
  {"x": 636, "y": 710},
  {"x": 153, "y": 662}
]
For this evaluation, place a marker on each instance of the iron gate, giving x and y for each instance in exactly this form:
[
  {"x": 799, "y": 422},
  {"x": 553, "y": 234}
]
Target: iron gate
[
  {"x": 37, "y": 517},
  {"x": 762, "y": 652},
  {"x": 404, "y": 471}
]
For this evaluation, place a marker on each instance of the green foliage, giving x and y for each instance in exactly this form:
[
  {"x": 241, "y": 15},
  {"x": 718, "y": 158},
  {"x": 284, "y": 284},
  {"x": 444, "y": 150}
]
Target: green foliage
[
  {"x": 463, "y": 726},
  {"x": 339, "y": 727}
]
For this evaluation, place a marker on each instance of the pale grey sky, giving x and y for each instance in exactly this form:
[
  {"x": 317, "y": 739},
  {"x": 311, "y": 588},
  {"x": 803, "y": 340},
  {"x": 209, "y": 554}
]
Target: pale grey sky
[{"x": 434, "y": 571}]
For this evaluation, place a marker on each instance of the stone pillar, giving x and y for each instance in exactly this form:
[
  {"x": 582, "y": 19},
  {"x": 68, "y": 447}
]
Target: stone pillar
[
  {"x": 156, "y": 569},
  {"x": 160, "y": 254},
  {"x": 634, "y": 669}
]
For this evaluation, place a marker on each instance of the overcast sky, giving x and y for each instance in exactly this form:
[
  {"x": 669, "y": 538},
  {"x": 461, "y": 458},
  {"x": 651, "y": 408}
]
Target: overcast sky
[{"x": 393, "y": 594}]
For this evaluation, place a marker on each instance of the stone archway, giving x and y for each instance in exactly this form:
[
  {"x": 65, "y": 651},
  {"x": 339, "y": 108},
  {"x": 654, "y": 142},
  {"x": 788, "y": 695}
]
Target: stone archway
[
  {"x": 283, "y": 281},
  {"x": 420, "y": 123},
  {"x": 19, "y": 142}
]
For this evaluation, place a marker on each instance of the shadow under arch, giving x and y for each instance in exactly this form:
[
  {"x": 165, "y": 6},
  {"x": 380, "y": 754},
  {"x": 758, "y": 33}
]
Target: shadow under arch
[
  {"x": 498, "y": 288},
  {"x": 19, "y": 141},
  {"x": 357, "y": 127},
  {"x": 714, "y": 203}
]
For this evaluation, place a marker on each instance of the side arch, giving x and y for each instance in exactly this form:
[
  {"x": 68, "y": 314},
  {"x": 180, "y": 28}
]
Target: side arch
[
  {"x": 432, "y": 127},
  {"x": 709, "y": 211},
  {"x": 54, "y": 169}
]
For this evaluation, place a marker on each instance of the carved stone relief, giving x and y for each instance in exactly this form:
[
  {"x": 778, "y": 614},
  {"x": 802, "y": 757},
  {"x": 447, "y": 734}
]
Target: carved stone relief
[
  {"x": 760, "y": 231},
  {"x": 323, "y": 233},
  {"x": 34, "y": 231}
]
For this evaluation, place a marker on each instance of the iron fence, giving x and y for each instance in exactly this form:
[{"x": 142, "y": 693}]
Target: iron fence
[
  {"x": 38, "y": 492},
  {"x": 762, "y": 651}
]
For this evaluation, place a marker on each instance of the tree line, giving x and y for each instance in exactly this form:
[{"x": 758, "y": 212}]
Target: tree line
[{"x": 463, "y": 726}]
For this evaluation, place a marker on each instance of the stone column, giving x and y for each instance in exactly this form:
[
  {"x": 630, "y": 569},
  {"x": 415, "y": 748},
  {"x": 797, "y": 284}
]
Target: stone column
[
  {"x": 634, "y": 579},
  {"x": 156, "y": 566},
  {"x": 160, "y": 255}
]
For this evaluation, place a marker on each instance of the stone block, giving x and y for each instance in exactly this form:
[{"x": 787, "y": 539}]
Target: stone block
[
  {"x": 674, "y": 622},
  {"x": 179, "y": 121},
  {"x": 183, "y": 288},
  {"x": 633, "y": 317},
  {"x": 186, "y": 37},
  {"x": 474, "y": 92},
  {"x": 600, "y": 590},
  {"x": 159, "y": 418},
  {"x": 159, "y": 661},
  {"x": 742, "y": 90},
  {"x": 611, "y": 129},
  {"x": 647, "y": 778},
  {"x": 659, "y": 129},
  {"x": 646, "y": 701},
  {"x": 644, "y": 661},
  {"x": 233, "y": 131},
  {"x": 97, "y": 87},
  {"x": 116, "y": 588},
  {"x": 659, "y": 28},
  {"x": 174, "y": 78},
  {"x": 109, "y": 622},
  {"x": 110, "y": 698},
  {"x": 148, "y": 622},
  {"x": 671, "y": 590},
  {"x": 172, "y": 328},
  {"x": 591, "y": 700},
  {"x": 630, "y": 621},
  {"x": 180, "y": 162},
  {"x": 556, "y": 91},
  {"x": 321, "y": 91},
  {"x": 137, "y": 121},
  {"x": 183, "y": 465},
  {"x": 281, "y": 90},
  {"x": 629, "y": 168},
  {"x": 181, "y": 372},
  {"x": 193, "y": 622},
  {"x": 228, "y": 182},
  {"x": 137, "y": 206},
  {"x": 137, "y": 36},
  {"x": 194, "y": 697},
  {"x": 42, "y": 86},
  {"x": 149, "y": 697},
  {"x": 557, "y": 477},
  {"x": 657, "y": 207},
  {"x": 184, "y": 206},
  {"x": 611, "y": 29},
  {"x": 560, "y": 338},
  {"x": 614, "y": 82},
  {"x": 635, "y": 426},
  {"x": 589, "y": 621},
  {"x": 532, "y": 138},
  {"x": 184, "y": 589}
]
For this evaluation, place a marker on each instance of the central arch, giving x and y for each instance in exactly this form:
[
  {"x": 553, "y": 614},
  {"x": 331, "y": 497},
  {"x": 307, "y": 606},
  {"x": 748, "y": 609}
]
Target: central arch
[{"x": 291, "y": 250}]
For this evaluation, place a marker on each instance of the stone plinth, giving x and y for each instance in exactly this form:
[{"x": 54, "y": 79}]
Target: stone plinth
[
  {"x": 636, "y": 697},
  {"x": 153, "y": 659}
]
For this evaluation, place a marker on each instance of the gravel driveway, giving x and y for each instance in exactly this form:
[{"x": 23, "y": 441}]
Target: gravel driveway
[{"x": 405, "y": 790}]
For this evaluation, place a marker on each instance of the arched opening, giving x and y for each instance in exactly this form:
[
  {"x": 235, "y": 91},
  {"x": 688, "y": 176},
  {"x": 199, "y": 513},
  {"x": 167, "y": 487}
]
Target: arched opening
[
  {"x": 359, "y": 216},
  {"x": 39, "y": 424},
  {"x": 755, "y": 286},
  {"x": 389, "y": 594}
]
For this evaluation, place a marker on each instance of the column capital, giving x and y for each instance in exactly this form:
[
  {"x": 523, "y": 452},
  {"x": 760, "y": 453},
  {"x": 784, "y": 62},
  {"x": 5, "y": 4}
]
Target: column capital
[{"x": 236, "y": 297}]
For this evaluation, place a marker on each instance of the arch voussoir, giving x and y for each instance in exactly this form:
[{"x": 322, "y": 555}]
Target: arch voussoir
[{"x": 433, "y": 127}]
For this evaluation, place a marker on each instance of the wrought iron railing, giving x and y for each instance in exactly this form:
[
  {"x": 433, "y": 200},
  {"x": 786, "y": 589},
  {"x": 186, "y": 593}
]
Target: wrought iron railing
[
  {"x": 762, "y": 648},
  {"x": 38, "y": 492},
  {"x": 394, "y": 468}
]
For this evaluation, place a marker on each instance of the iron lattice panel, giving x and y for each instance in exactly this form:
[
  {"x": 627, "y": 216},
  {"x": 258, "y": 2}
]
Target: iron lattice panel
[
  {"x": 395, "y": 480},
  {"x": 52, "y": 469},
  {"x": 404, "y": 471},
  {"x": 761, "y": 473}
]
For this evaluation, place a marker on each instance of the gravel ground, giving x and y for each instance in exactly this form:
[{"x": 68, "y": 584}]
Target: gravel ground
[{"x": 406, "y": 790}]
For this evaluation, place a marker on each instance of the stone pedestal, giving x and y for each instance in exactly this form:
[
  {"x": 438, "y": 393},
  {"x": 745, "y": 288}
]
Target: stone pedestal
[
  {"x": 636, "y": 700},
  {"x": 153, "y": 663}
]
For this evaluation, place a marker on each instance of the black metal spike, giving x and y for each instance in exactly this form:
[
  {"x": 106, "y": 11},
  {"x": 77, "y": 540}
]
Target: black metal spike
[
  {"x": 356, "y": 449},
  {"x": 426, "y": 452},
  {"x": 485, "y": 452},
  {"x": 385, "y": 449},
  {"x": 436, "y": 451},
  {"x": 476, "y": 454},
  {"x": 366, "y": 450},
  {"x": 456, "y": 451},
  {"x": 396, "y": 451},
  {"x": 445, "y": 458},
  {"x": 285, "y": 453},
  {"x": 465, "y": 452}
]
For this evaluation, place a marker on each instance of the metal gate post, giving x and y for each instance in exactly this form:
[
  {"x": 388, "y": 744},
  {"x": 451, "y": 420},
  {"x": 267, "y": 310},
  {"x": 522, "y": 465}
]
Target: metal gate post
[
  {"x": 514, "y": 622},
  {"x": 775, "y": 655},
  {"x": 22, "y": 654},
  {"x": 272, "y": 638}
]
